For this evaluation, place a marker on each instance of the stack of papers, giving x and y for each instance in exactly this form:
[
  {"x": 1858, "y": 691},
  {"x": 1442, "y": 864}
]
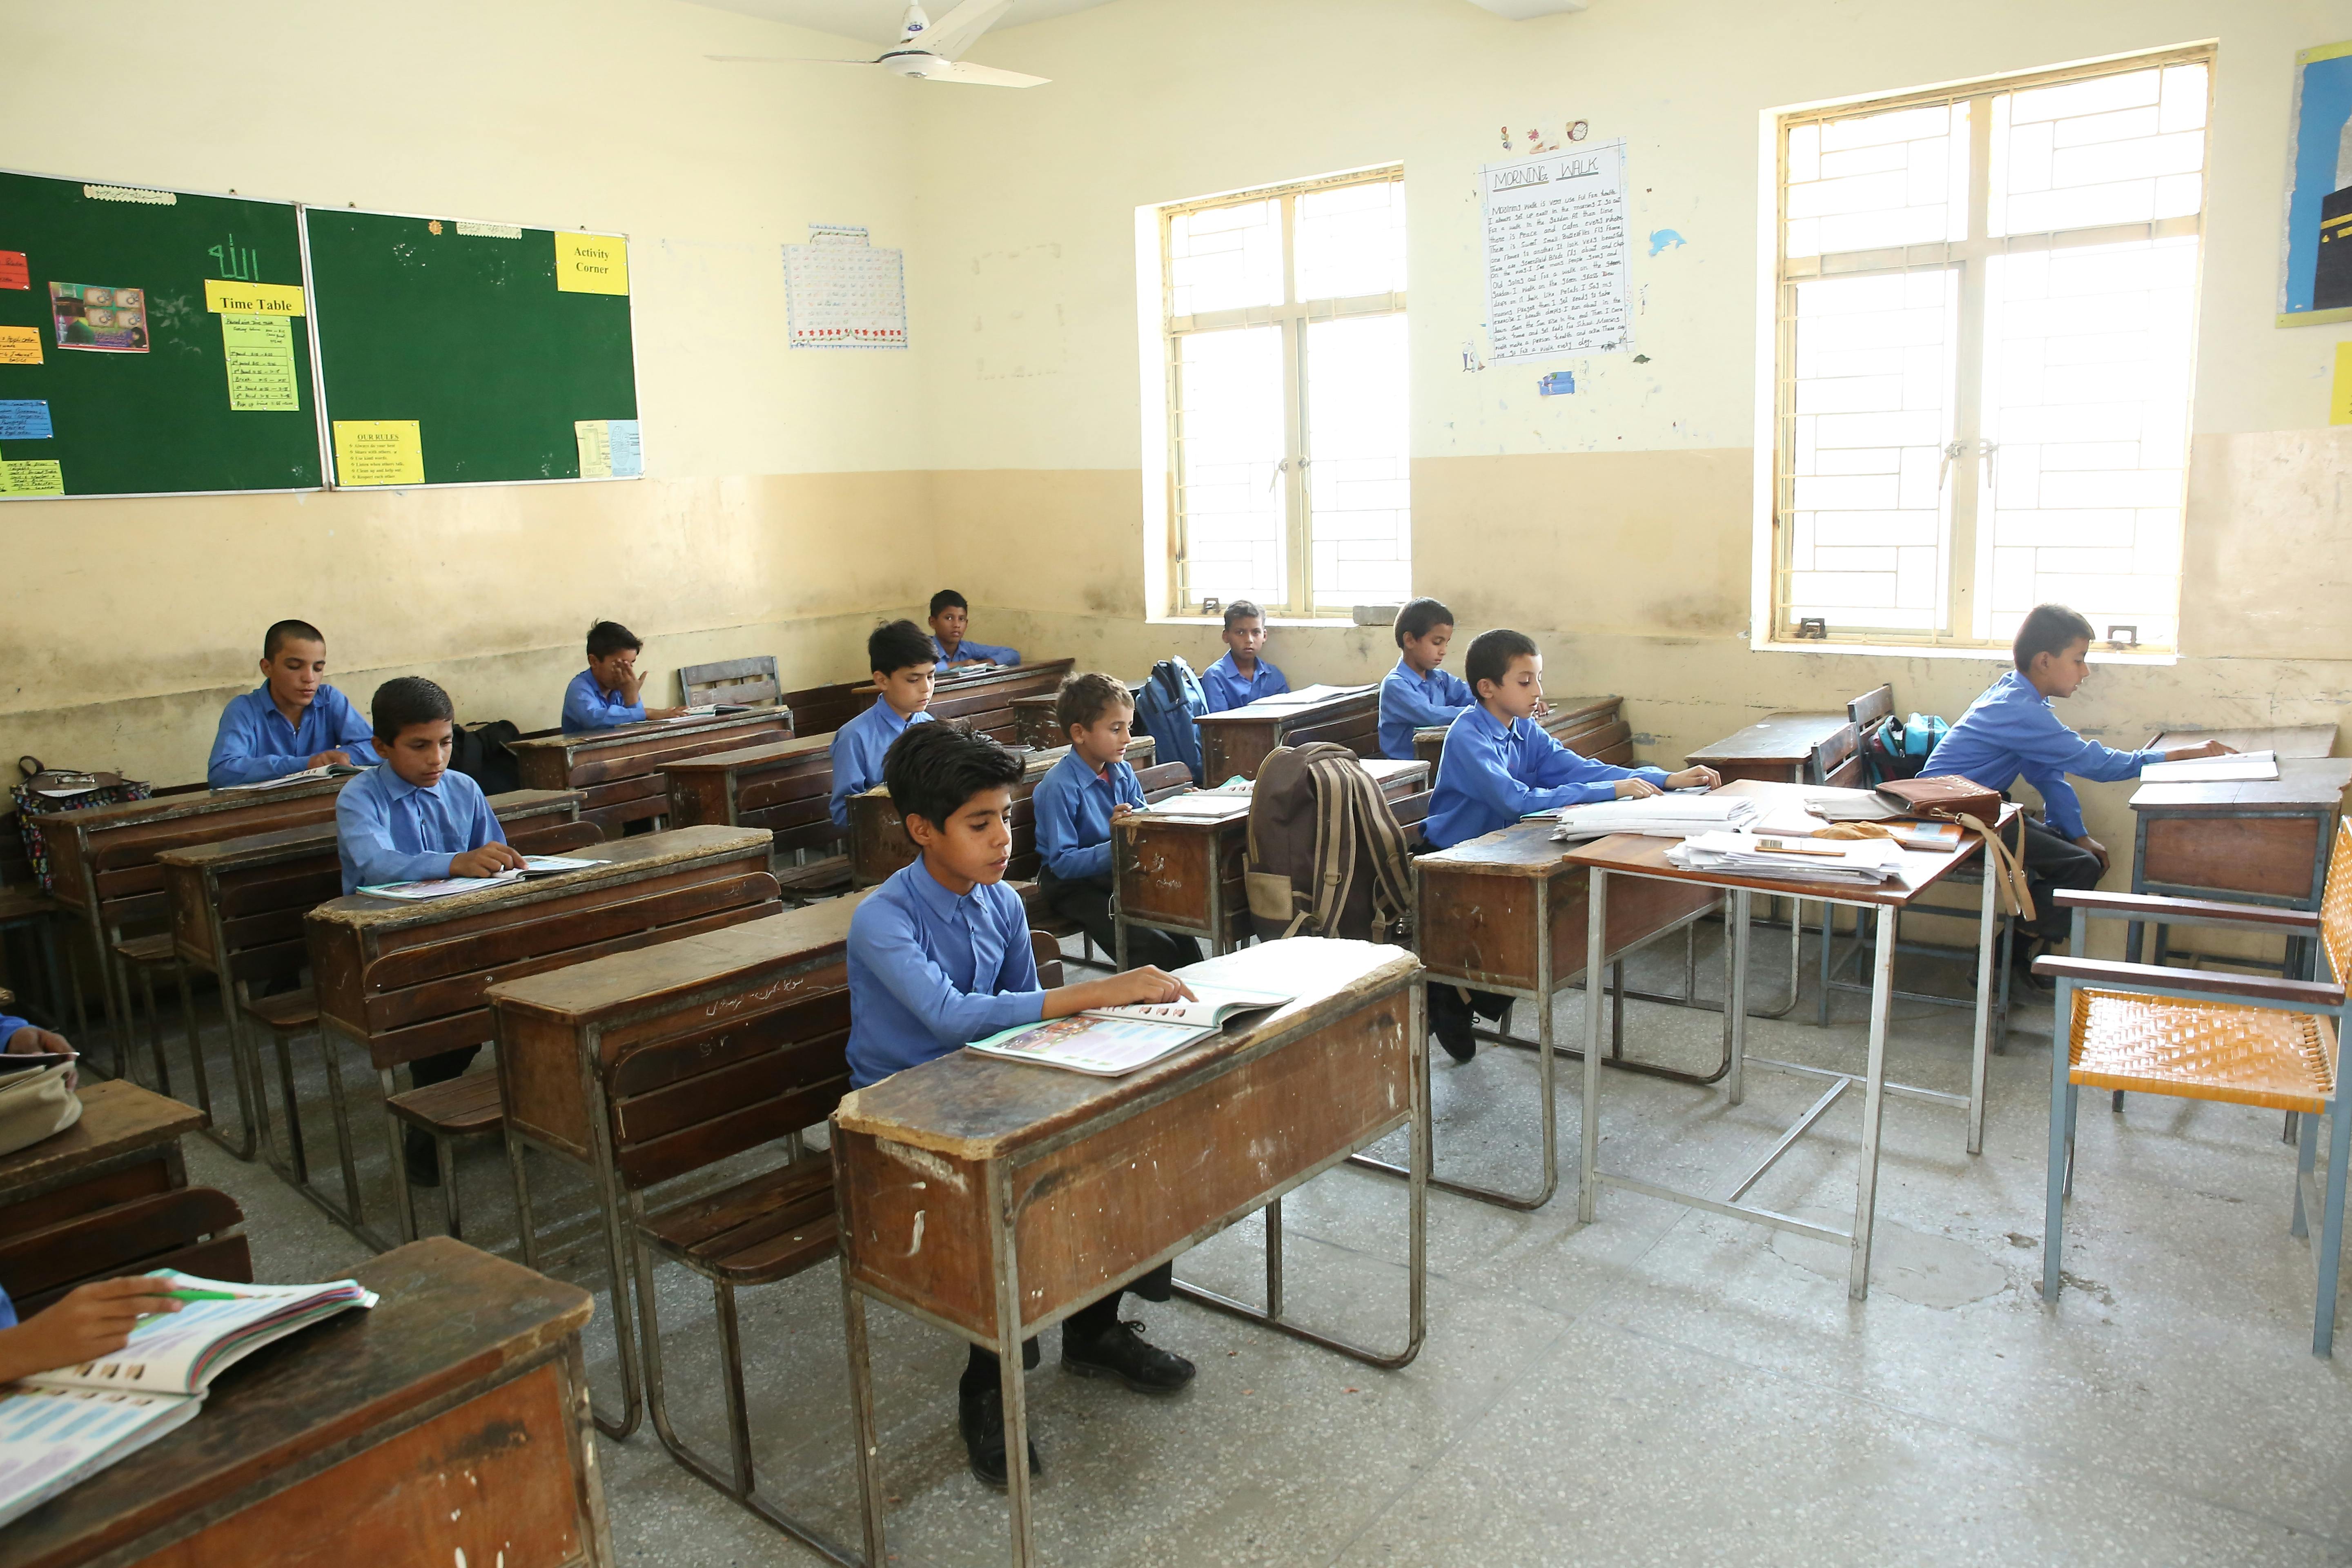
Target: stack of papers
[
  {"x": 2236, "y": 768},
  {"x": 1677, "y": 813},
  {"x": 533, "y": 868},
  {"x": 1854, "y": 862}
]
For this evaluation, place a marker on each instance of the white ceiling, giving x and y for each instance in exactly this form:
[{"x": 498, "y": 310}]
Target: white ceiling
[{"x": 877, "y": 21}]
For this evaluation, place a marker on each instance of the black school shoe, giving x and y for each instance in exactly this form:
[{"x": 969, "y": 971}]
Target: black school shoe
[
  {"x": 1451, "y": 1020},
  {"x": 981, "y": 1415},
  {"x": 423, "y": 1160},
  {"x": 1121, "y": 1351}
]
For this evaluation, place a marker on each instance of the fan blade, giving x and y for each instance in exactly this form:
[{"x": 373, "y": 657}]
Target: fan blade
[
  {"x": 783, "y": 60},
  {"x": 961, "y": 27},
  {"x": 982, "y": 76}
]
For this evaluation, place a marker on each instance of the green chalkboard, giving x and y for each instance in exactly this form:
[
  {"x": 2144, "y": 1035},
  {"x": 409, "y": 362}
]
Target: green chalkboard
[
  {"x": 463, "y": 328},
  {"x": 145, "y": 408}
]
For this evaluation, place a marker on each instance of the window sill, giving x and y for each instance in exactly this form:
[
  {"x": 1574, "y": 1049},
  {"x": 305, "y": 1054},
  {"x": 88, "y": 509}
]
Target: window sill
[
  {"x": 1287, "y": 623},
  {"x": 1922, "y": 651}
]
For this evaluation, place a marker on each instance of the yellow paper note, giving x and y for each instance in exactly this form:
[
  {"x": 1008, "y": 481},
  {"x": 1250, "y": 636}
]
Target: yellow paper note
[
  {"x": 260, "y": 354},
  {"x": 595, "y": 439},
  {"x": 2339, "y": 403},
  {"x": 20, "y": 345},
  {"x": 379, "y": 452},
  {"x": 591, "y": 264},
  {"x": 253, "y": 299},
  {"x": 37, "y": 477}
]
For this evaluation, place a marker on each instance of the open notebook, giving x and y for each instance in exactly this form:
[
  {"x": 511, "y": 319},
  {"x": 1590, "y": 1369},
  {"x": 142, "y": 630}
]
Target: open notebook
[
  {"x": 533, "y": 868},
  {"x": 1111, "y": 1041}
]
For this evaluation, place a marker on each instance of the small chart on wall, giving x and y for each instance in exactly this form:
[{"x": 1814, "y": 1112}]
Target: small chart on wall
[
  {"x": 151, "y": 342},
  {"x": 456, "y": 353}
]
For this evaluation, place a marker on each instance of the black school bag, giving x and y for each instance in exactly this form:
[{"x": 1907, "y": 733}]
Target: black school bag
[
  {"x": 480, "y": 753},
  {"x": 1325, "y": 855}
]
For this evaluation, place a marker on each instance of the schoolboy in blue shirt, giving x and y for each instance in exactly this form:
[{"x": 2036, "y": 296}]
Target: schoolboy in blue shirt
[
  {"x": 906, "y": 668},
  {"x": 1240, "y": 676},
  {"x": 293, "y": 720},
  {"x": 949, "y": 616},
  {"x": 1075, "y": 803},
  {"x": 939, "y": 956},
  {"x": 609, "y": 693},
  {"x": 1499, "y": 765},
  {"x": 418, "y": 819},
  {"x": 2012, "y": 731},
  {"x": 1417, "y": 694}
]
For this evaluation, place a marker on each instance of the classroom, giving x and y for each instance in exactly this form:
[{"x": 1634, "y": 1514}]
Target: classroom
[{"x": 1356, "y": 717}]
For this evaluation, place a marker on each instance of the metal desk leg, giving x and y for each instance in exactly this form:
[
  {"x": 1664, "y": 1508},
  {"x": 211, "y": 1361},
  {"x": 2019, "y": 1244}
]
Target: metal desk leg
[
  {"x": 1011, "y": 1378},
  {"x": 1873, "y": 1102},
  {"x": 1737, "y": 913},
  {"x": 864, "y": 1430},
  {"x": 1988, "y": 923},
  {"x": 1596, "y": 937}
]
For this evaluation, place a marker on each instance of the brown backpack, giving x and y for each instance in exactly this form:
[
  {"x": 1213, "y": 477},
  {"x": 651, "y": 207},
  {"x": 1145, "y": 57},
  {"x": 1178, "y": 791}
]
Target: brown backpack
[{"x": 1325, "y": 855}]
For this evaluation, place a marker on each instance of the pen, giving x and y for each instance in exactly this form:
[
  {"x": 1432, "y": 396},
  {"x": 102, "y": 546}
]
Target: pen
[{"x": 204, "y": 1295}]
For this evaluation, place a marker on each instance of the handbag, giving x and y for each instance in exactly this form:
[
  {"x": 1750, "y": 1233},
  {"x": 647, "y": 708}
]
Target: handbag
[
  {"x": 1948, "y": 797},
  {"x": 44, "y": 792},
  {"x": 37, "y": 1105}
]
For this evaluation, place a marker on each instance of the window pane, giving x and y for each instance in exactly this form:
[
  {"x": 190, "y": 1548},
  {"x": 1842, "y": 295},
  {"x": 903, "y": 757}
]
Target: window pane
[
  {"x": 1351, "y": 242},
  {"x": 1359, "y": 473},
  {"x": 2119, "y": 149},
  {"x": 1229, "y": 495},
  {"x": 1896, "y": 178},
  {"x": 1869, "y": 526},
  {"x": 1226, "y": 257}
]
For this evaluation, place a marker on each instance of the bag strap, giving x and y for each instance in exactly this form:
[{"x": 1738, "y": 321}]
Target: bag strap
[
  {"x": 31, "y": 767},
  {"x": 2001, "y": 864}
]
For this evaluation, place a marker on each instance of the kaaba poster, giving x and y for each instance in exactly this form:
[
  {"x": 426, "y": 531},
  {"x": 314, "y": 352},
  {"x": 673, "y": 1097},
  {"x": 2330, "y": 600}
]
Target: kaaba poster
[{"x": 2316, "y": 283}]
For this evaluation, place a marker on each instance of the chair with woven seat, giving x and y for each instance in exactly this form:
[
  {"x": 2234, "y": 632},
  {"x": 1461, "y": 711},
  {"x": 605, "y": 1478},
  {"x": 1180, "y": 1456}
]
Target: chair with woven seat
[{"x": 2195, "y": 1033}]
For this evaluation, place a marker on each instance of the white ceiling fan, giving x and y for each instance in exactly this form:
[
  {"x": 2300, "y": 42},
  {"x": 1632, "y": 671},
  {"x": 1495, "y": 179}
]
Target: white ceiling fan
[{"x": 927, "y": 53}]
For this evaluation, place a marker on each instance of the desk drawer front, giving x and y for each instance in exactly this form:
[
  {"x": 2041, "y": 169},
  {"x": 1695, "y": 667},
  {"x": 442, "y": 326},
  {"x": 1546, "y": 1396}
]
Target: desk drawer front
[
  {"x": 138, "y": 844},
  {"x": 642, "y": 754},
  {"x": 1481, "y": 928},
  {"x": 2267, "y": 855},
  {"x": 807, "y": 780},
  {"x": 1165, "y": 871}
]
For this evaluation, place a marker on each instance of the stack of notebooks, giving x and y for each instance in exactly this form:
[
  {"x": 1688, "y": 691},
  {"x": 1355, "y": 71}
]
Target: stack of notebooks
[
  {"x": 2236, "y": 767},
  {"x": 1855, "y": 862},
  {"x": 1678, "y": 813},
  {"x": 59, "y": 1427}
]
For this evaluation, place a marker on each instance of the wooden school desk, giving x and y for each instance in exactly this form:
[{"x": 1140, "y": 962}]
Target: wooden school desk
[
  {"x": 1183, "y": 872},
  {"x": 1622, "y": 867},
  {"x": 409, "y": 980},
  {"x": 1033, "y": 717},
  {"x": 981, "y": 695},
  {"x": 1591, "y": 727},
  {"x": 1239, "y": 739},
  {"x": 620, "y": 768},
  {"x": 1788, "y": 748},
  {"x": 449, "y": 1423},
  {"x": 126, "y": 1145},
  {"x": 879, "y": 844},
  {"x": 993, "y": 1198},
  {"x": 779, "y": 786}
]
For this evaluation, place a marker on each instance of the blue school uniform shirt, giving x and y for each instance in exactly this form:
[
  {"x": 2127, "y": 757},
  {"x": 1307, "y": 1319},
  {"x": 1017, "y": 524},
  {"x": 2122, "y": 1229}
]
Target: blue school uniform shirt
[
  {"x": 1491, "y": 776},
  {"x": 1074, "y": 804},
  {"x": 971, "y": 649},
  {"x": 1223, "y": 684},
  {"x": 9, "y": 1027},
  {"x": 388, "y": 830},
  {"x": 1411, "y": 700},
  {"x": 7, "y": 1311},
  {"x": 2012, "y": 730},
  {"x": 255, "y": 743},
  {"x": 931, "y": 972},
  {"x": 588, "y": 706},
  {"x": 858, "y": 750}
]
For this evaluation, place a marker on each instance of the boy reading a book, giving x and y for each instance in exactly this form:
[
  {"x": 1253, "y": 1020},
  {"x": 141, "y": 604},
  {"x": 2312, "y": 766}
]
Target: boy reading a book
[
  {"x": 609, "y": 693},
  {"x": 1500, "y": 766},
  {"x": 292, "y": 721},
  {"x": 906, "y": 667},
  {"x": 1077, "y": 803},
  {"x": 418, "y": 819},
  {"x": 2012, "y": 731},
  {"x": 950, "y": 617},
  {"x": 1240, "y": 676},
  {"x": 1417, "y": 694},
  {"x": 939, "y": 956},
  {"x": 88, "y": 1321}
]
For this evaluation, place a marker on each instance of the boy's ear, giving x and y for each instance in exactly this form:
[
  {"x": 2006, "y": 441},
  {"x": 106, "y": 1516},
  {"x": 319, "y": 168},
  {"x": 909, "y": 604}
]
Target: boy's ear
[{"x": 920, "y": 828}]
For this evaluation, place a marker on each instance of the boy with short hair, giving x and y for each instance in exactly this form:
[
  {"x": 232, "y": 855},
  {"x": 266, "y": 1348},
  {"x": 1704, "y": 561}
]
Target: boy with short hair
[
  {"x": 1240, "y": 676},
  {"x": 939, "y": 956},
  {"x": 609, "y": 693},
  {"x": 1077, "y": 803},
  {"x": 905, "y": 665},
  {"x": 950, "y": 617},
  {"x": 2011, "y": 729},
  {"x": 1417, "y": 694},
  {"x": 1498, "y": 767},
  {"x": 418, "y": 819},
  {"x": 293, "y": 720}
]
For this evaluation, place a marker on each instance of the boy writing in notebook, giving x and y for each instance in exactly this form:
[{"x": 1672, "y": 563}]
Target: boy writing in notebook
[
  {"x": 950, "y": 617},
  {"x": 1077, "y": 803},
  {"x": 418, "y": 819},
  {"x": 1240, "y": 676},
  {"x": 2012, "y": 731},
  {"x": 1500, "y": 766},
  {"x": 609, "y": 693},
  {"x": 939, "y": 956},
  {"x": 293, "y": 720},
  {"x": 905, "y": 665},
  {"x": 1417, "y": 694}
]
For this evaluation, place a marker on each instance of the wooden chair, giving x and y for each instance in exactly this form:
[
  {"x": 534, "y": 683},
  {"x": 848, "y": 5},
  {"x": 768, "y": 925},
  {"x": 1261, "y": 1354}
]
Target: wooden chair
[
  {"x": 194, "y": 1230},
  {"x": 143, "y": 956},
  {"x": 750, "y": 682},
  {"x": 2195, "y": 1033}
]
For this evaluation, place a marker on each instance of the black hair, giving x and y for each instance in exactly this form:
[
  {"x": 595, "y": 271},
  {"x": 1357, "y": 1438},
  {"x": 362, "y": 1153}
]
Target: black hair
[
  {"x": 931, "y": 770},
  {"x": 407, "y": 699},
  {"x": 1242, "y": 610},
  {"x": 2048, "y": 628},
  {"x": 1420, "y": 617},
  {"x": 947, "y": 599},
  {"x": 607, "y": 639},
  {"x": 1086, "y": 697},
  {"x": 290, "y": 631},
  {"x": 1491, "y": 654},
  {"x": 893, "y": 647}
]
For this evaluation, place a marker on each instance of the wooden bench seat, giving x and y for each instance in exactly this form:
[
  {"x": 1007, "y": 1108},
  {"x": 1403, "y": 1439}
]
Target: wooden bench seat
[
  {"x": 816, "y": 879},
  {"x": 467, "y": 1106},
  {"x": 289, "y": 1012},
  {"x": 757, "y": 1232}
]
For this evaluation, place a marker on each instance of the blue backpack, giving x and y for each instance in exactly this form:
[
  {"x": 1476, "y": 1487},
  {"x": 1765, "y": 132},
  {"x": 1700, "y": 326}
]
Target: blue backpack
[{"x": 1172, "y": 699}]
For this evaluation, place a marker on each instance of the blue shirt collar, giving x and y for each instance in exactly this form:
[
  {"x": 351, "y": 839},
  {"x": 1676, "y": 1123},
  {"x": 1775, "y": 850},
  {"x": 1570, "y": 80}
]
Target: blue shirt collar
[
  {"x": 397, "y": 788},
  {"x": 1486, "y": 723},
  {"x": 934, "y": 894}
]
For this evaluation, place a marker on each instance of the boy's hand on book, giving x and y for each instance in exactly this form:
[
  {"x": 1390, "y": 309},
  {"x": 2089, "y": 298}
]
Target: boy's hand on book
[
  {"x": 1700, "y": 777},
  {"x": 29, "y": 1041},
  {"x": 331, "y": 759},
  {"x": 1149, "y": 986},
  {"x": 92, "y": 1321},
  {"x": 1635, "y": 789},
  {"x": 490, "y": 860}
]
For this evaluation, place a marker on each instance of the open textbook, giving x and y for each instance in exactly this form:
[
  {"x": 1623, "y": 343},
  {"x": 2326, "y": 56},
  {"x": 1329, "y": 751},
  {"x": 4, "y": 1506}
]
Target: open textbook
[
  {"x": 58, "y": 1427},
  {"x": 2235, "y": 767},
  {"x": 533, "y": 868},
  {"x": 323, "y": 770},
  {"x": 1110, "y": 1041}
]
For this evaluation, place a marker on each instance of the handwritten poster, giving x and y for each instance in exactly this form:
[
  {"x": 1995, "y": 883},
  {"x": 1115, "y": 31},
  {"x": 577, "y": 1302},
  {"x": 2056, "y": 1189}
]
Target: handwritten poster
[
  {"x": 24, "y": 419},
  {"x": 260, "y": 354},
  {"x": 39, "y": 477},
  {"x": 609, "y": 448},
  {"x": 379, "y": 452},
  {"x": 1559, "y": 265},
  {"x": 20, "y": 345},
  {"x": 841, "y": 292},
  {"x": 13, "y": 273}
]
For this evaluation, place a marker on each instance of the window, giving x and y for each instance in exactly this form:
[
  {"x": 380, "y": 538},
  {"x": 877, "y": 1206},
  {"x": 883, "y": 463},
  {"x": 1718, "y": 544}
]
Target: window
[
  {"x": 1987, "y": 328},
  {"x": 1289, "y": 449}
]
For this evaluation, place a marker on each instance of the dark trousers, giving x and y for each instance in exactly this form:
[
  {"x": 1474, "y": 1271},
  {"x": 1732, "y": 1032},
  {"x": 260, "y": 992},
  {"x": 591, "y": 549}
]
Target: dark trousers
[
  {"x": 980, "y": 1374},
  {"x": 1446, "y": 1003},
  {"x": 1087, "y": 900},
  {"x": 2053, "y": 861},
  {"x": 441, "y": 1066}
]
